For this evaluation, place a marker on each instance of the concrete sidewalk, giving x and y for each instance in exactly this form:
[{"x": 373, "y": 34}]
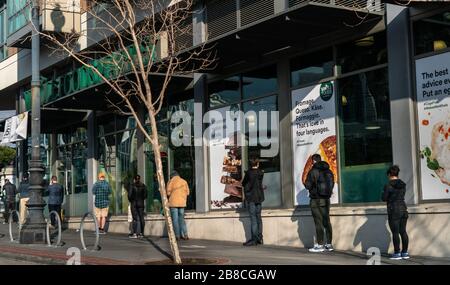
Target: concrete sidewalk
[{"x": 118, "y": 249}]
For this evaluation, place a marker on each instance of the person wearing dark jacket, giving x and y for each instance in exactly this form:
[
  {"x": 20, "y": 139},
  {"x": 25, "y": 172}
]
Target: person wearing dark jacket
[
  {"x": 320, "y": 204},
  {"x": 254, "y": 196},
  {"x": 10, "y": 191},
  {"x": 55, "y": 198},
  {"x": 137, "y": 196},
  {"x": 394, "y": 196}
]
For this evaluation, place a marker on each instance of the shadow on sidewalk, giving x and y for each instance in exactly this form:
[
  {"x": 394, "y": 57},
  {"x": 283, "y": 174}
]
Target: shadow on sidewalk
[{"x": 158, "y": 248}]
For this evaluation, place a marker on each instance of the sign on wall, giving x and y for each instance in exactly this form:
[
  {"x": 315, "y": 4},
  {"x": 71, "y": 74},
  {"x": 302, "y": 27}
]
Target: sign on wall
[
  {"x": 313, "y": 131},
  {"x": 15, "y": 128},
  {"x": 433, "y": 90}
]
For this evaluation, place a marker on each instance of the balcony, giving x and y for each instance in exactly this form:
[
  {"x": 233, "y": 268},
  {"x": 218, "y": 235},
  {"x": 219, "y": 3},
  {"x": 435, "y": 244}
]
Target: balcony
[{"x": 56, "y": 16}]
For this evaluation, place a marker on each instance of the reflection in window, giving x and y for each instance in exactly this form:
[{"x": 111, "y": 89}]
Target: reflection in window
[
  {"x": 366, "y": 145},
  {"x": 432, "y": 34},
  {"x": 259, "y": 82},
  {"x": 270, "y": 165},
  {"x": 362, "y": 53},
  {"x": 311, "y": 67},
  {"x": 224, "y": 92}
]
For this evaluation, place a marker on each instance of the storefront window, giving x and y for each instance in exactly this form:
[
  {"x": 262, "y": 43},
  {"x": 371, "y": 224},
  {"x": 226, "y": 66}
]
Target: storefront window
[
  {"x": 311, "y": 67},
  {"x": 259, "y": 82},
  {"x": 432, "y": 34},
  {"x": 365, "y": 135},
  {"x": 266, "y": 132},
  {"x": 224, "y": 92},
  {"x": 228, "y": 159},
  {"x": 362, "y": 53}
]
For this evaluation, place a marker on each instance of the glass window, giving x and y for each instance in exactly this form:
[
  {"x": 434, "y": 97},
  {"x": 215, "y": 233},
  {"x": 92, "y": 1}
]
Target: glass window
[
  {"x": 311, "y": 67},
  {"x": 224, "y": 92},
  {"x": 365, "y": 135},
  {"x": 265, "y": 132},
  {"x": 259, "y": 82},
  {"x": 362, "y": 53},
  {"x": 19, "y": 14},
  {"x": 432, "y": 34}
]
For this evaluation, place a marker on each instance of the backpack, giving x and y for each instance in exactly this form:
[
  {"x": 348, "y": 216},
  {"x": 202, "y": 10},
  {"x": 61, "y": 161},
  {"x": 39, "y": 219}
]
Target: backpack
[{"x": 325, "y": 183}]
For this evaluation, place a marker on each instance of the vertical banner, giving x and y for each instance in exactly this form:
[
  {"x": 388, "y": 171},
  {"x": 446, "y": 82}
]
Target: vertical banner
[
  {"x": 225, "y": 158},
  {"x": 15, "y": 128},
  {"x": 313, "y": 131},
  {"x": 433, "y": 90}
]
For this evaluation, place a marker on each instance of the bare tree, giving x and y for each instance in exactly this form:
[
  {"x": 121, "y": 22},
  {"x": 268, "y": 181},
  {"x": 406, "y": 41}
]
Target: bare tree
[{"x": 133, "y": 42}]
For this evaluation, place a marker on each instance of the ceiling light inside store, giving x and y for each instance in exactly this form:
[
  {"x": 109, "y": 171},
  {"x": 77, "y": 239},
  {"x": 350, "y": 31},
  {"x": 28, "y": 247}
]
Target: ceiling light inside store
[
  {"x": 365, "y": 42},
  {"x": 447, "y": 16},
  {"x": 439, "y": 44},
  {"x": 372, "y": 128}
]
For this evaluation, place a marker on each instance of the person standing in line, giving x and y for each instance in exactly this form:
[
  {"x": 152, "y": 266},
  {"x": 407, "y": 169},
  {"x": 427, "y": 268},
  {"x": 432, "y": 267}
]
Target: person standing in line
[
  {"x": 137, "y": 195},
  {"x": 24, "y": 190},
  {"x": 320, "y": 183},
  {"x": 101, "y": 190},
  {"x": 254, "y": 196},
  {"x": 394, "y": 196},
  {"x": 10, "y": 192},
  {"x": 177, "y": 191},
  {"x": 55, "y": 199}
]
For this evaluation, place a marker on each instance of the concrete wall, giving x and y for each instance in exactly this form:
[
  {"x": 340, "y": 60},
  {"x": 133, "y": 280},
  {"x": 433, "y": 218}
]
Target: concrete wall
[{"x": 354, "y": 229}]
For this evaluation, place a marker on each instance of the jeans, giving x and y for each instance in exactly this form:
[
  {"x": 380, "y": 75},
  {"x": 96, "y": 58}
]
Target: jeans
[
  {"x": 57, "y": 209},
  {"x": 320, "y": 209},
  {"x": 397, "y": 224},
  {"x": 179, "y": 225},
  {"x": 138, "y": 219},
  {"x": 255, "y": 220}
]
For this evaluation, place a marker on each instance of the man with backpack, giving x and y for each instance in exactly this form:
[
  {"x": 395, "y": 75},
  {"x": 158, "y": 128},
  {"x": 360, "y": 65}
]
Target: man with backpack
[
  {"x": 320, "y": 183},
  {"x": 137, "y": 195}
]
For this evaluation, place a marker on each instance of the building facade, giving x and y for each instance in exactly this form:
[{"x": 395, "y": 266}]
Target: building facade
[{"x": 363, "y": 83}]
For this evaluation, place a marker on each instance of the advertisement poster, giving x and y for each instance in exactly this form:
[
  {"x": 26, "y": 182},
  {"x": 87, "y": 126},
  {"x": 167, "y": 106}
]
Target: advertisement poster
[
  {"x": 225, "y": 156},
  {"x": 433, "y": 89},
  {"x": 313, "y": 131},
  {"x": 15, "y": 128}
]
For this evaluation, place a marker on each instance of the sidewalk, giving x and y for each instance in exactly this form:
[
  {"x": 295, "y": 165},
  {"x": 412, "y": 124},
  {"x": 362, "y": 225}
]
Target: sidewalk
[{"x": 118, "y": 249}]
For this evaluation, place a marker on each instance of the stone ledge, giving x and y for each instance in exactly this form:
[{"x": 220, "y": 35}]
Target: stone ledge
[{"x": 441, "y": 208}]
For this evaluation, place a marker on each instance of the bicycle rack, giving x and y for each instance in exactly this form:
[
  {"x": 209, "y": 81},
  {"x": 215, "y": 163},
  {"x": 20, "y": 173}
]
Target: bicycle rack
[
  {"x": 58, "y": 241},
  {"x": 97, "y": 234},
  {"x": 10, "y": 221}
]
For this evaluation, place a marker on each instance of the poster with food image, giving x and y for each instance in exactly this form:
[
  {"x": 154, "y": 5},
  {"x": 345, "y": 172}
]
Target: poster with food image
[
  {"x": 433, "y": 100},
  {"x": 225, "y": 156},
  {"x": 313, "y": 132}
]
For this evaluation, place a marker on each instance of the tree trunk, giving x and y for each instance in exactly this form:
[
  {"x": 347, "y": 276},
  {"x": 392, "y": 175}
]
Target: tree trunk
[{"x": 162, "y": 190}]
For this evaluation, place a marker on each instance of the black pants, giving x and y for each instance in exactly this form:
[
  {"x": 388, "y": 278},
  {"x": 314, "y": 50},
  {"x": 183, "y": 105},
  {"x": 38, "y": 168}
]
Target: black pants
[
  {"x": 397, "y": 224},
  {"x": 10, "y": 206},
  {"x": 138, "y": 219},
  {"x": 320, "y": 209},
  {"x": 56, "y": 208}
]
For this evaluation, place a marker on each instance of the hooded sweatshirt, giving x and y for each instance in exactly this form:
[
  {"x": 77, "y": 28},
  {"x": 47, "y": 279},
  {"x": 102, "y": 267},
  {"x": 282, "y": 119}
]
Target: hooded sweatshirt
[
  {"x": 394, "y": 195},
  {"x": 312, "y": 178}
]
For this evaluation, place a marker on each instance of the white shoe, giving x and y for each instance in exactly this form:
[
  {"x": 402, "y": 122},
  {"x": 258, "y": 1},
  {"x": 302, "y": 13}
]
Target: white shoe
[
  {"x": 329, "y": 247},
  {"x": 317, "y": 248}
]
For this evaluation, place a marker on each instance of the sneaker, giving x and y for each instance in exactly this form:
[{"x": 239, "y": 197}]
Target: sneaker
[
  {"x": 396, "y": 256},
  {"x": 140, "y": 236},
  {"x": 317, "y": 248},
  {"x": 132, "y": 236},
  {"x": 260, "y": 241},
  {"x": 405, "y": 255},
  {"x": 329, "y": 247},
  {"x": 102, "y": 232}
]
